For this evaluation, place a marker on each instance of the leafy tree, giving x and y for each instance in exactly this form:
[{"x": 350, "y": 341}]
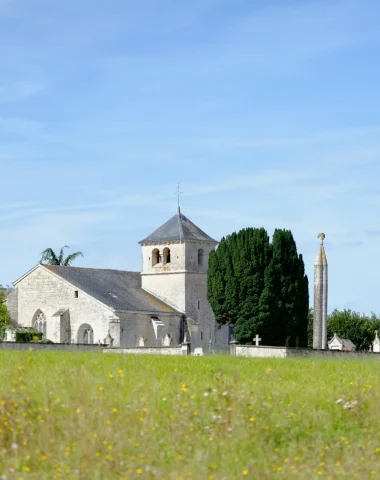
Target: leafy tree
[
  {"x": 359, "y": 328},
  {"x": 49, "y": 257},
  {"x": 259, "y": 287},
  {"x": 4, "y": 314}
]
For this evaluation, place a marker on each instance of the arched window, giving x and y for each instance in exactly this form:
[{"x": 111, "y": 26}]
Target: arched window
[
  {"x": 200, "y": 257},
  {"x": 85, "y": 334},
  {"x": 166, "y": 255},
  {"x": 39, "y": 322},
  {"x": 155, "y": 257}
]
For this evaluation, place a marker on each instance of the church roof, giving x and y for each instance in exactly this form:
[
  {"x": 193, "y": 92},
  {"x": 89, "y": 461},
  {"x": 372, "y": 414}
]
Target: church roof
[
  {"x": 118, "y": 289},
  {"x": 178, "y": 228},
  {"x": 345, "y": 342}
]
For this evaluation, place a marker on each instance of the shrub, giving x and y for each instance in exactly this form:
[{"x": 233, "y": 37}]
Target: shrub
[{"x": 28, "y": 335}]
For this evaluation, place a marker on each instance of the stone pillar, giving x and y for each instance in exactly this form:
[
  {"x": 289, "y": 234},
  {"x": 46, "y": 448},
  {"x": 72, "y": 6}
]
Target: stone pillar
[
  {"x": 320, "y": 297},
  {"x": 233, "y": 344}
]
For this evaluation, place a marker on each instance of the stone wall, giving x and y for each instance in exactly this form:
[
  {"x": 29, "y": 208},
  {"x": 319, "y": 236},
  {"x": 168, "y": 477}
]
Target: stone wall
[
  {"x": 283, "y": 352},
  {"x": 56, "y": 347},
  {"x": 180, "y": 350},
  {"x": 136, "y": 325},
  {"x": 44, "y": 291}
]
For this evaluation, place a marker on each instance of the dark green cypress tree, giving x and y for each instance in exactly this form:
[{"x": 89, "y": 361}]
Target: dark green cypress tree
[
  {"x": 286, "y": 299},
  {"x": 260, "y": 287},
  {"x": 254, "y": 259}
]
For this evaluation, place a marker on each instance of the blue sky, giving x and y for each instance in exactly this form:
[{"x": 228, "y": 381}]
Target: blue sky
[{"x": 266, "y": 111}]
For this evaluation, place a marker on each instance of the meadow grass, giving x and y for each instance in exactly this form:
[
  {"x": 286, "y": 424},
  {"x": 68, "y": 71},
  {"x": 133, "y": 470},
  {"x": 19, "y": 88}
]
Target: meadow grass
[{"x": 96, "y": 416}]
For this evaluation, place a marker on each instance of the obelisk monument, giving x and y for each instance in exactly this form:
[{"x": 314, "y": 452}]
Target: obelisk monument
[{"x": 320, "y": 297}]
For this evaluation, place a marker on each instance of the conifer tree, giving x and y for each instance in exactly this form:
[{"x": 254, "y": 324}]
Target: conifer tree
[{"x": 260, "y": 287}]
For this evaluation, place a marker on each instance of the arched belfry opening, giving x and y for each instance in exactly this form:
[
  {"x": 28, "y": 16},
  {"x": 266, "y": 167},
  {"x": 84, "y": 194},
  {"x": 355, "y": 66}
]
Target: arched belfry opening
[
  {"x": 155, "y": 257},
  {"x": 201, "y": 257},
  {"x": 167, "y": 257}
]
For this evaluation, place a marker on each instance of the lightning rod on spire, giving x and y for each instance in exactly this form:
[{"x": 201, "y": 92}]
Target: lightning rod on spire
[{"x": 178, "y": 193}]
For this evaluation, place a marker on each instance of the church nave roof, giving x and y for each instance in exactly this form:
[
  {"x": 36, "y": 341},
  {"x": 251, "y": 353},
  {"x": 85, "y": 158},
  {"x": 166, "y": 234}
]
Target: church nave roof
[{"x": 117, "y": 289}]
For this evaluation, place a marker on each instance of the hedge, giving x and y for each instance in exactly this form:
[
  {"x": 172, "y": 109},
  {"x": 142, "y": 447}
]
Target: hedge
[{"x": 28, "y": 335}]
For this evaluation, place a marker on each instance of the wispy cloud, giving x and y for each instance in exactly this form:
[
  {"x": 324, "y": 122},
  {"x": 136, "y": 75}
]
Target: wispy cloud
[
  {"x": 19, "y": 90},
  {"x": 373, "y": 233}
]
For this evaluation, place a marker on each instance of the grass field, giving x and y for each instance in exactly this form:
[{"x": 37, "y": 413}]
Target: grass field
[{"x": 96, "y": 416}]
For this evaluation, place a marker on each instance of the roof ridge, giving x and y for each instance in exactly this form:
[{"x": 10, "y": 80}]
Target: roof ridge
[{"x": 90, "y": 268}]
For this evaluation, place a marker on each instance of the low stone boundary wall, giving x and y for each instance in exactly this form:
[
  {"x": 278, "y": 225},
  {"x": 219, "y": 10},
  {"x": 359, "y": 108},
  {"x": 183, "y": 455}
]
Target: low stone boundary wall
[
  {"x": 56, "y": 347},
  {"x": 253, "y": 351},
  {"x": 180, "y": 350}
]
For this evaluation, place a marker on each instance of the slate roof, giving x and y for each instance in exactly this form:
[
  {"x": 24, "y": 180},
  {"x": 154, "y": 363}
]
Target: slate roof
[
  {"x": 177, "y": 228},
  {"x": 345, "y": 342},
  {"x": 117, "y": 289}
]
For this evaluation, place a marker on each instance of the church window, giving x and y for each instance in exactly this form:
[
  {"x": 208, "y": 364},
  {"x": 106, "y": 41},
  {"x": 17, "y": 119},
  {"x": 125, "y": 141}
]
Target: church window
[
  {"x": 201, "y": 335},
  {"x": 155, "y": 257},
  {"x": 200, "y": 257},
  {"x": 166, "y": 255},
  {"x": 39, "y": 322},
  {"x": 76, "y": 294},
  {"x": 199, "y": 304}
]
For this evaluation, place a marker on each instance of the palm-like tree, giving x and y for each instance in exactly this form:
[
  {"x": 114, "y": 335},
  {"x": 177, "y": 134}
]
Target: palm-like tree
[{"x": 49, "y": 257}]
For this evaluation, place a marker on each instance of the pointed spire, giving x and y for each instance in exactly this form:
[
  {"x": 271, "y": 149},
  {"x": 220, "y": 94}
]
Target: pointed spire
[{"x": 321, "y": 255}]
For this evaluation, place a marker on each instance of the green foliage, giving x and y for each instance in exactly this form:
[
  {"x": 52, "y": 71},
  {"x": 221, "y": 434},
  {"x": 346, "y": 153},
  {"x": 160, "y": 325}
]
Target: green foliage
[
  {"x": 96, "y": 416},
  {"x": 28, "y": 335},
  {"x": 359, "y": 328},
  {"x": 4, "y": 314},
  {"x": 49, "y": 257},
  {"x": 260, "y": 287},
  {"x": 310, "y": 325}
]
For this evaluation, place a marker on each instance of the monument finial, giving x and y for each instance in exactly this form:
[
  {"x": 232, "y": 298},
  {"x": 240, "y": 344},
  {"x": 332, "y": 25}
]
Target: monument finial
[
  {"x": 178, "y": 193},
  {"x": 321, "y": 237}
]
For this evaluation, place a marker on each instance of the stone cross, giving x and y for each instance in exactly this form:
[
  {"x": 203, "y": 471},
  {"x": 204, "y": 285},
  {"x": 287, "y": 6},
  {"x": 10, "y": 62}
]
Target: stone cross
[{"x": 257, "y": 340}]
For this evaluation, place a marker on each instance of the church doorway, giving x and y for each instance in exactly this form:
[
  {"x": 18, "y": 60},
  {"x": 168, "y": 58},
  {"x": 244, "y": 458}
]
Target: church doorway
[{"x": 85, "y": 334}]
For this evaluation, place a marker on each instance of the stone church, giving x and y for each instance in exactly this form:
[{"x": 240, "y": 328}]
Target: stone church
[{"x": 156, "y": 307}]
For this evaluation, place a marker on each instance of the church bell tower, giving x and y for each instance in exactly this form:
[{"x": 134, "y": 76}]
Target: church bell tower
[{"x": 174, "y": 269}]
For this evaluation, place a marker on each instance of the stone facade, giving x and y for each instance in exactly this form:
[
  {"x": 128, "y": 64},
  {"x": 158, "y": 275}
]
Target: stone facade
[
  {"x": 182, "y": 283},
  {"x": 73, "y": 316},
  {"x": 43, "y": 291}
]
